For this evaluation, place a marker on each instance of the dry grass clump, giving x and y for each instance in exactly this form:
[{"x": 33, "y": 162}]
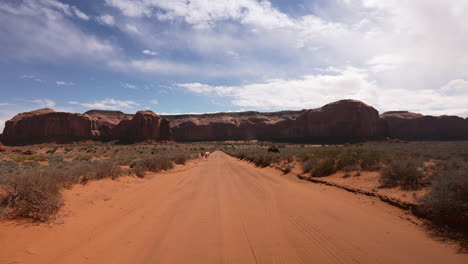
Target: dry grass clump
[
  {"x": 448, "y": 197},
  {"x": 32, "y": 193},
  {"x": 35, "y": 192},
  {"x": 401, "y": 173},
  {"x": 258, "y": 157},
  {"x": 324, "y": 162},
  {"x": 154, "y": 164}
]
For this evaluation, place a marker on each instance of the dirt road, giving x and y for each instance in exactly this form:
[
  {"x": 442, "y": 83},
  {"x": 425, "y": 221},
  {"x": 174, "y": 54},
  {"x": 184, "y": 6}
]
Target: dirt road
[{"x": 221, "y": 211}]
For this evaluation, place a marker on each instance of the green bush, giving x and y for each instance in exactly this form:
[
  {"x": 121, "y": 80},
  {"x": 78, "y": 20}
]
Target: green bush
[{"x": 401, "y": 173}]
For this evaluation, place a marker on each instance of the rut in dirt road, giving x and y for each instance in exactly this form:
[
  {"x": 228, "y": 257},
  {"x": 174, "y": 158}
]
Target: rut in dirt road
[{"x": 223, "y": 210}]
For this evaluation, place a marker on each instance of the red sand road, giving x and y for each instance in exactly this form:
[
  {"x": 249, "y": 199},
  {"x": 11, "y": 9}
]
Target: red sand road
[{"x": 221, "y": 211}]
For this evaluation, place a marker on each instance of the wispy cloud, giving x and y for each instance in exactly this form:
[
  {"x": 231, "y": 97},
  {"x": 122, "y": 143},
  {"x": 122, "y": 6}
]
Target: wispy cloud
[
  {"x": 44, "y": 103},
  {"x": 109, "y": 104},
  {"x": 154, "y": 101},
  {"x": 31, "y": 77},
  {"x": 64, "y": 83},
  {"x": 129, "y": 86}
]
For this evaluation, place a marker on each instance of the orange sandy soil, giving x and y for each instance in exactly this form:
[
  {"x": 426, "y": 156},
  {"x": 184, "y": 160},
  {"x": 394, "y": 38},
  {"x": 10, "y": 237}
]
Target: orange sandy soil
[{"x": 221, "y": 210}]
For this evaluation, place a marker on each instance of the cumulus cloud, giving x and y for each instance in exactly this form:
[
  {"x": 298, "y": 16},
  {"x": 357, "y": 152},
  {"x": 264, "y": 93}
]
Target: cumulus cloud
[
  {"x": 62, "y": 83},
  {"x": 109, "y": 104},
  {"x": 106, "y": 20},
  {"x": 333, "y": 84},
  {"x": 149, "y": 52}
]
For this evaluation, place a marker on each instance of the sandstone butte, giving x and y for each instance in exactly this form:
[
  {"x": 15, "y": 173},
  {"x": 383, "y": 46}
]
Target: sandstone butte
[{"x": 338, "y": 122}]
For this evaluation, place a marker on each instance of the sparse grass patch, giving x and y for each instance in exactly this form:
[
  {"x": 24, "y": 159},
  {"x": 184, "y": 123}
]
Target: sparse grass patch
[
  {"x": 448, "y": 197},
  {"x": 35, "y": 158},
  {"x": 401, "y": 173}
]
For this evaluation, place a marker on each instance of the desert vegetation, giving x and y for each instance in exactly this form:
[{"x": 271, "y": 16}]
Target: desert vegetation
[
  {"x": 31, "y": 180},
  {"x": 437, "y": 170}
]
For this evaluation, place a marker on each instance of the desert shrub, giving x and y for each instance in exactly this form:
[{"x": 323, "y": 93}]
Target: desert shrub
[
  {"x": 106, "y": 169},
  {"x": 323, "y": 168},
  {"x": 180, "y": 159},
  {"x": 30, "y": 164},
  {"x": 448, "y": 196},
  {"x": 83, "y": 158},
  {"x": 51, "y": 151},
  {"x": 139, "y": 171},
  {"x": 32, "y": 193},
  {"x": 401, "y": 173},
  {"x": 309, "y": 165},
  {"x": 154, "y": 164}
]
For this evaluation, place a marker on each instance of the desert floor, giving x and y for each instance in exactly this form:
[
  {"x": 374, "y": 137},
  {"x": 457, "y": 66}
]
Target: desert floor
[{"x": 221, "y": 210}]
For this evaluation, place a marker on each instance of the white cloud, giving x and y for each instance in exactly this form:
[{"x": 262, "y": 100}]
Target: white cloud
[
  {"x": 232, "y": 53},
  {"x": 5, "y": 104},
  {"x": 44, "y": 103},
  {"x": 313, "y": 91},
  {"x": 131, "y": 28},
  {"x": 109, "y": 104},
  {"x": 31, "y": 77},
  {"x": 64, "y": 83},
  {"x": 129, "y": 86},
  {"x": 149, "y": 52},
  {"x": 45, "y": 30},
  {"x": 106, "y": 19},
  {"x": 79, "y": 14},
  {"x": 155, "y": 102}
]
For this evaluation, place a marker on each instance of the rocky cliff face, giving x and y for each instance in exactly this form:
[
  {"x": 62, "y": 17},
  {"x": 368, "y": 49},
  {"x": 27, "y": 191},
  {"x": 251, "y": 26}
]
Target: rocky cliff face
[
  {"x": 412, "y": 126},
  {"x": 145, "y": 125},
  {"x": 46, "y": 125},
  {"x": 342, "y": 121}
]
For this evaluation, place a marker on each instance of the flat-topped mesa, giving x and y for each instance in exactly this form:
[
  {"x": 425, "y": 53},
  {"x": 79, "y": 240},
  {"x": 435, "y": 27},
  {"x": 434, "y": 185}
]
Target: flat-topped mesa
[
  {"x": 46, "y": 125},
  {"x": 145, "y": 125},
  {"x": 414, "y": 126},
  {"x": 336, "y": 122}
]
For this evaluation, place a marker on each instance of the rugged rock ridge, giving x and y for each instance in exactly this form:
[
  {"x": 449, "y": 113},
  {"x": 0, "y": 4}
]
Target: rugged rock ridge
[
  {"x": 413, "y": 126},
  {"x": 143, "y": 126},
  {"x": 342, "y": 121},
  {"x": 336, "y": 122},
  {"x": 46, "y": 125}
]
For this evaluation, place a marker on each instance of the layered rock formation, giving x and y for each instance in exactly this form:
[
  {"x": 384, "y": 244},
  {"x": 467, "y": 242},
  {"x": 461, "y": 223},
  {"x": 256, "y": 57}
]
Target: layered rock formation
[
  {"x": 342, "y": 121},
  {"x": 45, "y": 125},
  {"x": 412, "y": 126},
  {"x": 145, "y": 125},
  {"x": 336, "y": 122}
]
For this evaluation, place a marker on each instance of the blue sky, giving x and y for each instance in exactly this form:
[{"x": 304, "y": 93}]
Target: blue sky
[{"x": 198, "y": 56}]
